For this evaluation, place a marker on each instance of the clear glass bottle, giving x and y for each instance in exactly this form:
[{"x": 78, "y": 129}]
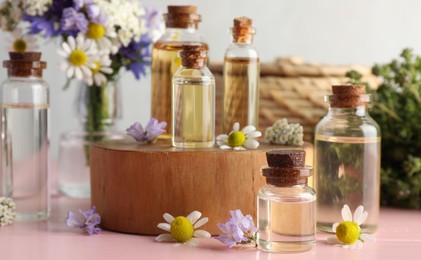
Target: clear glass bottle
[
  {"x": 24, "y": 98},
  {"x": 241, "y": 77},
  {"x": 181, "y": 28},
  {"x": 347, "y": 158},
  {"x": 286, "y": 205},
  {"x": 193, "y": 104}
]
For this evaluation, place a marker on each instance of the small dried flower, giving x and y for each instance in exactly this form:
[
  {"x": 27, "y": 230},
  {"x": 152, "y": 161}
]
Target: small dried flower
[
  {"x": 88, "y": 221},
  {"x": 7, "y": 211},
  {"x": 238, "y": 230},
  {"x": 348, "y": 232},
  {"x": 152, "y": 130},
  {"x": 183, "y": 229}
]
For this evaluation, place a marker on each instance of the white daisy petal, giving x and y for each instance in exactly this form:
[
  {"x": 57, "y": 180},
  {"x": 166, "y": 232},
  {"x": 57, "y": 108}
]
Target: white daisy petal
[
  {"x": 254, "y": 134},
  {"x": 201, "y": 222},
  {"x": 334, "y": 226},
  {"x": 193, "y": 242},
  {"x": 220, "y": 143},
  {"x": 164, "y": 226},
  {"x": 168, "y": 217},
  {"x": 248, "y": 129},
  {"x": 194, "y": 216},
  {"x": 236, "y": 127},
  {"x": 64, "y": 66},
  {"x": 164, "y": 237},
  {"x": 239, "y": 148},
  {"x": 222, "y": 137},
  {"x": 72, "y": 43},
  {"x": 78, "y": 73},
  {"x": 66, "y": 48},
  {"x": 367, "y": 237},
  {"x": 357, "y": 245},
  {"x": 333, "y": 240},
  {"x": 362, "y": 218},
  {"x": 251, "y": 144},
  {"x": 358, "y": 212},
  {"x": 224, "y": 147},
  {"x": 70, "y": 71},
  {"x": 346, "y": 213},
  {"x": 201, "y": 234}
]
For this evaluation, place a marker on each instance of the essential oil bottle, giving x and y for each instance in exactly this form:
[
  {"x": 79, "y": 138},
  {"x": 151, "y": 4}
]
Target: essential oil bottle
[
  {"x": 181, "y": 28},
  {"x": 24, "y": 98},
  {"x": 347, "y": 158},
  {"x": 241, "y": 77},
  {"x": 286, "y": 205},
  {"x": 193, "y": 104}
]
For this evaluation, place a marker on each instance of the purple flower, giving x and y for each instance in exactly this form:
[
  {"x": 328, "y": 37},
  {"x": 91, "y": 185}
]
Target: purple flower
[
  {"x": 88, "y": 221},
  {"x": 74, "y": 21},
  {"x": 153, "y": 18},
  {"x": 78, "y": 4},
  {"x": 138, "y": 56},
  {"x": 239, "y": 229},
  {"x": 95, "y": 15},
  {"x": 152, "y": 130}
]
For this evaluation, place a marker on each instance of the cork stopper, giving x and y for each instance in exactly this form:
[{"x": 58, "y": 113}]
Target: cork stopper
[
  {"x": 24, "y": 64},
  {"x": 348, "y": 96},
  {"x": 243, "y": 30},
  {"x": 182, "y": 16},
  {"x": 193, "y": 56},
  {"x": 286, "y": 168}
]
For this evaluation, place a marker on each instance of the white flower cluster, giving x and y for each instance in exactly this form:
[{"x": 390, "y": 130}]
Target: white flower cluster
[
  {"x": 36, "y": 7},
  {"x": 7, "y": 211},
  {"x": 123, "y": 15},
  {"x": 283, "y": 133},
  {"x": 10, "y": 14}
]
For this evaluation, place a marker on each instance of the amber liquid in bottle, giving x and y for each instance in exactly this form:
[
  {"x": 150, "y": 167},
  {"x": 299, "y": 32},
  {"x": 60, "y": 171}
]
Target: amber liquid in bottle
[
  {"x": 241, "y": 92},
  {"x": 165, "y": 62}
]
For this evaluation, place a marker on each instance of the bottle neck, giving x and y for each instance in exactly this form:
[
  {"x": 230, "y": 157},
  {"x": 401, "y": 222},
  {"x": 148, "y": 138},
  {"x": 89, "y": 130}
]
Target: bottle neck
[
  {"x": 244, "y": 39},
  {"x": 338, "y": 111}
]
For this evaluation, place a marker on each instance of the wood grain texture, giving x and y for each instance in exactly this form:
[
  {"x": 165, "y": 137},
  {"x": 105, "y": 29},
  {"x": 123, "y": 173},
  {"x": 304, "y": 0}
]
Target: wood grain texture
[{"x": 133, "y": 185}]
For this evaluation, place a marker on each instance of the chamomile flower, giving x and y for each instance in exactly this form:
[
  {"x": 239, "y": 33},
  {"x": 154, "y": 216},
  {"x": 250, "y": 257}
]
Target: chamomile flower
[
  {"x": 21, "y": 42},
  {"x": 348, "y": 232},
  {"x": 183, "y": 229},
  {"x": 102, "y": 66},
  {"x": 239, "y": 140},
  {"x": 79, "y": 54},
  {"x": 103, "y": 36}
]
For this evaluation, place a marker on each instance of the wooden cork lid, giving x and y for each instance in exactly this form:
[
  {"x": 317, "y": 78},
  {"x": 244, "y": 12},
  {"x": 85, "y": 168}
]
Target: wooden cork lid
[
  {"x": 243, "y": 30},
  {"x": 286, "y": 168},
  {"x": 243, "y": 21},
  {"x": 286, "y": 158},
  {"x": 348, "y": 96},
  {"x": 182, "y": 16},
  {"x": 24, "y": 64},
  {"x": 193, "y": 55}
]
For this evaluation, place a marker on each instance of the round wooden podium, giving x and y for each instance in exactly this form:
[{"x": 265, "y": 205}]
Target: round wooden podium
[{"x": 133, "y": 185}]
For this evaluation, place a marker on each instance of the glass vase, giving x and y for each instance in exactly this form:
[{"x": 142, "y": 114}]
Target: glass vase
[{"x": 97, "y": 108}]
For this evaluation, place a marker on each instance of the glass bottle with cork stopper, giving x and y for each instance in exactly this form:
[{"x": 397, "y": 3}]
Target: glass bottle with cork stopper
[
  {"x": 193, "y": 104},
  {"x": 286, "y": 205},
  {"x": 347, "y": 158},
  {"x": 241, "y": 77},
  {"x": 181, "y": 29},
  {"x": 24, "y": 98}
]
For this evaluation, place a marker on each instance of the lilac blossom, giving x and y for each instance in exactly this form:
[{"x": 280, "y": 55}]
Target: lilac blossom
[
  {"x": 152, "y": 130},
  {"x": 88, "y": 221},
  {"x": 239, "y": 229},
  {"x": 74, "y": 21}
]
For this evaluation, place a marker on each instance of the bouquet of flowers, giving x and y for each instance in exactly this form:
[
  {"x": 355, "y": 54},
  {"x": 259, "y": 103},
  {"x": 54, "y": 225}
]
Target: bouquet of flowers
[{"x": 98, "y": 38}]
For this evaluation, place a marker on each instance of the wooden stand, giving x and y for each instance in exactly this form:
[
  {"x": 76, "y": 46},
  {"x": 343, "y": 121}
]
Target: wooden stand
[{"x": 133, "y": 185}]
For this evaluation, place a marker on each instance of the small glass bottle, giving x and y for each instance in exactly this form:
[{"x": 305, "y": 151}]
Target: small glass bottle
[
  {"x": 24, "y": 98},
  {"x": 286, "y": 205},
  {"x": 193, "y": 105},
  {"x": 347, "y": 158},
  {"x": 181, "y": 28},
  {"x": 241, "y": 77}
]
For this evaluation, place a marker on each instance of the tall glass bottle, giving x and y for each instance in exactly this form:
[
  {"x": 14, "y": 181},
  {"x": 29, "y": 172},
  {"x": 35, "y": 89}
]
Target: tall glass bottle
[
  {"x": 24, "y": 98},
  {"x": 241, "y": 77},
  {"x": 347, "y": 158},
  {"x": 193, "y": 103},
  {"x": 181, "y": 28}
]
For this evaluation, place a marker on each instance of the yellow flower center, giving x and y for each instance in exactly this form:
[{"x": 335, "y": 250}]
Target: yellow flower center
[
  {"x": 182, "y": 229},
  {"x": 95, "y": 31},
  {"x": 19, "y": 45},
  {"x": 97, "y": 67},
  {"x": 236, "y": 138},
  {"x": 78, "y": 57},
  {"x": 348, "y": 232}
]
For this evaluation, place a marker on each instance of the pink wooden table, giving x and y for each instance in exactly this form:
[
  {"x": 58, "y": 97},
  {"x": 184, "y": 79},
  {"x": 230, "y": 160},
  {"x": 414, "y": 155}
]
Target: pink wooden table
[{"x": 399, "y": 237}]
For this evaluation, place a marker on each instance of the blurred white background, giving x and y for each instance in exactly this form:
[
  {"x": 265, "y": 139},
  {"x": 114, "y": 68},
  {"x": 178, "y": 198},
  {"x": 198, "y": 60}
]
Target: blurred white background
[{"x": 328, "y": 31}]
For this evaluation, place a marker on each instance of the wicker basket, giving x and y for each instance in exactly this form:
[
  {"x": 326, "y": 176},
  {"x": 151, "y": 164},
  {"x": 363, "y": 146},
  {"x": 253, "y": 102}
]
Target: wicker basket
[{"x": 293, "y": 89}]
